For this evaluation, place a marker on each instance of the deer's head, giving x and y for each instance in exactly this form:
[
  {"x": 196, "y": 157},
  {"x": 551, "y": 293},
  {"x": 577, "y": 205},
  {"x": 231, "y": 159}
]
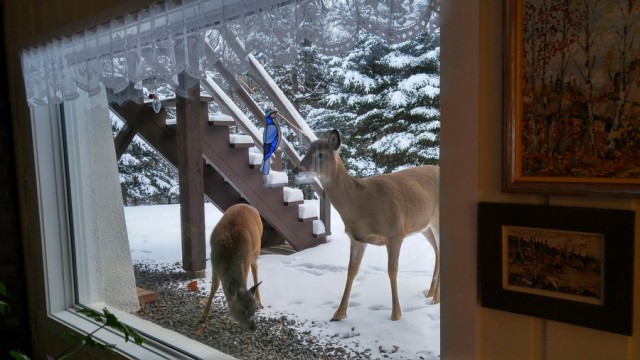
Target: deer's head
[
  {"x": 322, "y": 157},
  {"x": 242, "y": 307}
]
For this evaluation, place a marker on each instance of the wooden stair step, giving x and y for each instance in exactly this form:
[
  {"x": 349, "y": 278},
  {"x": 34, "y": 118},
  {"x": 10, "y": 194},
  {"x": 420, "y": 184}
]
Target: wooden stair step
[
  {"x": 319, "y": 231},
  {"x": 171, "y": 123},
  {"x": 276, "y": 179},
  {"x": 292, "y": 196},
  {"x": 221, "y": 120},
  {"x": 255, "y": 160},
  {"x": 307, "y": 213},
  {"x": 241, "y": 141}
]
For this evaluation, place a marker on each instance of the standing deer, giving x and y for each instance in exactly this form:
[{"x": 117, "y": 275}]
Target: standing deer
[
  {"x": 235, "y": 246},
  {"x": 379, "y": 210}
]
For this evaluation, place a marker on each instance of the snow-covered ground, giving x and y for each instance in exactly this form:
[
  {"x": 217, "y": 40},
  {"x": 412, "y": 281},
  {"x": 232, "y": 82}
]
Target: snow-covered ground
[{"x": 307, "y": 285}]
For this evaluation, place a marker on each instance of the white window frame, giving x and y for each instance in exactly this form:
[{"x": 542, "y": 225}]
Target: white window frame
[{"x": 52, "y": 177}]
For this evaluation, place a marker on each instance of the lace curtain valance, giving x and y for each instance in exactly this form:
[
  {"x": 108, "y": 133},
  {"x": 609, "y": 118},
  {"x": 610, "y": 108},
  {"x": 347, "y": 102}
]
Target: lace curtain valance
[{"x": 162, "y": 40}]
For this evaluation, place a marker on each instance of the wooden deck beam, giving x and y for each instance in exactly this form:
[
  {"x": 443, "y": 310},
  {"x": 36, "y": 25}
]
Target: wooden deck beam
[
  {"x": 123, "y": 139},
  {"x": 191, "y": 112}
]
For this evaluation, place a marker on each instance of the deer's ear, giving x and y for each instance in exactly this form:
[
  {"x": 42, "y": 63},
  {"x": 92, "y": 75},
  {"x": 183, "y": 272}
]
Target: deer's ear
[
  {"x": 253, "y": 289},
  {"x": 335, "y": 140}
]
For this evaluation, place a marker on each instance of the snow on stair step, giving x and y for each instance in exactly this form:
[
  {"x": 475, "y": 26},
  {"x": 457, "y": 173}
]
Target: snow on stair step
[
  {"x": 292, "y": 196},
  {"x": 276, "y": 179},
  {"x": 240, "y": 141},
  {"x": 307, "y": 212},
  {"x": 318, "y": 228},
  {"x": 255, "y": 159},
  {"x": 221, "y": 119}
]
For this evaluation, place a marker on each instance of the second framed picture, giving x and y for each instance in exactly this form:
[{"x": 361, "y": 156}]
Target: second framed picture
[{"x": 567, "y": 264}]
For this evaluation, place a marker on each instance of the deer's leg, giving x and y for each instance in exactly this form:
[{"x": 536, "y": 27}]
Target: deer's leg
[
  {"x": 433, "y": 235},
  {"x": 393, "y": 253},
  {"x": 355, "y": 258},
  {"x": 254, "y": 272},
  {"x": 215, "y": 282},
  {"x": 436, "y": 295}
]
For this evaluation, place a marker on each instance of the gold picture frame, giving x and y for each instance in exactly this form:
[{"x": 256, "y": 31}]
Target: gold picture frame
[{"x": 571, "y": 97}]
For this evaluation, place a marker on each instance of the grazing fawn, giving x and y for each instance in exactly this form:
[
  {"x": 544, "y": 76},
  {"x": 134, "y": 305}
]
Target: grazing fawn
[
  {"x": 379, "y": 210},
  {"x": 235, "y": 246}
]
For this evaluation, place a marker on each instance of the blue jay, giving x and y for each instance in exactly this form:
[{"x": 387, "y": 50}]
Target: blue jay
[{"x": 270, "y": 139}]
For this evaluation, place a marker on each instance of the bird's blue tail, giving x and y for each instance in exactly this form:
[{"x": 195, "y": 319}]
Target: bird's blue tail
[{"x": 266, "y": 166}]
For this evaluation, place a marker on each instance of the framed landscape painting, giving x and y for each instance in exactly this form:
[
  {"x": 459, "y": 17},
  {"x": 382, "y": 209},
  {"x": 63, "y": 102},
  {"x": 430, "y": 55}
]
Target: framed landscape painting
[
  {"x": 557, "y": 263},
  {"x": 571, "y": 97}
]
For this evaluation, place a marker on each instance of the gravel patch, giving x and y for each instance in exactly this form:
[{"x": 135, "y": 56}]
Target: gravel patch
[{"x": 276, "y": 338}]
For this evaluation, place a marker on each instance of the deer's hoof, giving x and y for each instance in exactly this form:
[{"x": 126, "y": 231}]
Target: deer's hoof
[{"x": 337, "y": 317}]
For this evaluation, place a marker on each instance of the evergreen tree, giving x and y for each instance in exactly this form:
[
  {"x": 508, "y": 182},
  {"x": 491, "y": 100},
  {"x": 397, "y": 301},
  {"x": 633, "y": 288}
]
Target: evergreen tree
[
  {"x": 145, "y": 176},
  {"x": 305, "y": 82},
  {"x": 383, "y": 98},
  {"x": 385, "y": 101}
]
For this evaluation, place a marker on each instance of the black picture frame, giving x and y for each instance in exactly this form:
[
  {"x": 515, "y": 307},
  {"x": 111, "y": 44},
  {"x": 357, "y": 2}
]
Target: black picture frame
[{"x": 507, "y": 236}]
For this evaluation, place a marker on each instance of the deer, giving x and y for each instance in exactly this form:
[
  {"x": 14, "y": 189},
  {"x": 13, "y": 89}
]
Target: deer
[
  {"x": 235, "y": 246},
  {"x": 380, "y": 210}
]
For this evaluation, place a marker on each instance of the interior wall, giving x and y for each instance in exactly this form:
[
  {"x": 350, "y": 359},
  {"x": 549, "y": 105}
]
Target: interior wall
[
  {"x": 14, "y": 323},
  {"x": 503, "y": 335}
]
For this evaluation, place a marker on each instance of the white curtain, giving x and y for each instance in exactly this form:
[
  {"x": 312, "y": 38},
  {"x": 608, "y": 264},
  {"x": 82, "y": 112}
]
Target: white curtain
[{"x": 151, "y": 46}]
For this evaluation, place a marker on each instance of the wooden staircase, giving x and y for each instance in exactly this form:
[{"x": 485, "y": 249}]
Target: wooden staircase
[
  {"x": 221, "y": 166},
  {"x": 228, "y": 175}
]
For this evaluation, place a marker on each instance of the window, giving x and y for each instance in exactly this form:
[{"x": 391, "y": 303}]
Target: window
[
  {"x": 85, "y": 249},
  {"x": 81, "y": 200}
]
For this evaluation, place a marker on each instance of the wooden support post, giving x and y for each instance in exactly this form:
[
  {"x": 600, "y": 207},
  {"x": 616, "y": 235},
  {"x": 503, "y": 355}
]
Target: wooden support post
[
  {"x": 325, "y": 214},
  {"x": 190, "y": 112},
  {"x": 127, "y": 133},
  {"x": 123, "y": 139}
]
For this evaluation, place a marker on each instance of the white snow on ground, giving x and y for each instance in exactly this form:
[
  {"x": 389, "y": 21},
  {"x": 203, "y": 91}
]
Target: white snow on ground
[{"x": 307, "y": 285}]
